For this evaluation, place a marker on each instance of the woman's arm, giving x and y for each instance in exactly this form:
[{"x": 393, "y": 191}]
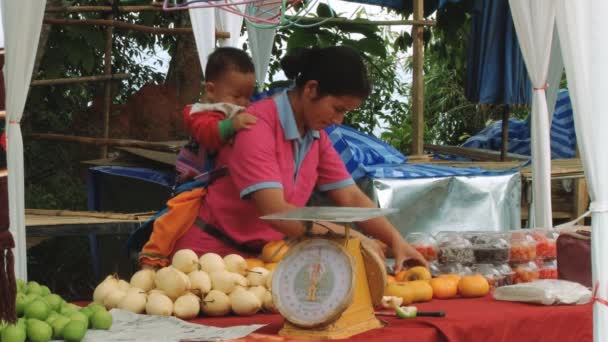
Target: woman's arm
[
  {"x": 272, "y": 201},
  {"x": 380, "y": 228}
]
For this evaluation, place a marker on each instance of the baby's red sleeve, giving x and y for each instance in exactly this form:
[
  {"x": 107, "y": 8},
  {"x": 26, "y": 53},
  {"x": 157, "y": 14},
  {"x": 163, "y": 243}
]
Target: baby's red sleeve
[{"x": 203, "y": 127}]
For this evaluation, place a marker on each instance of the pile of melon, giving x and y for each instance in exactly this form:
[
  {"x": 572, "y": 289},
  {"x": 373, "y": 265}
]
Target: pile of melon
[{"x": 192, "y": 286}]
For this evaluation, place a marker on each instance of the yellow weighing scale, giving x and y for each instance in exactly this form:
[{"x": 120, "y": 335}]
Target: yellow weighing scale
[{"x": 326, "y": 288}]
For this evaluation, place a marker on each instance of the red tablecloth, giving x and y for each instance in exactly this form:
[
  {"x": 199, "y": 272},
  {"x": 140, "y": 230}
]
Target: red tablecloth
[{"x": 467, "y": 320}]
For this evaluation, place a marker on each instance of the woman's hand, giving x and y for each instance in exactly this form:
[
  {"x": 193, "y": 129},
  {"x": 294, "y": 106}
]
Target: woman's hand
[{"x": 406, "y": 256}]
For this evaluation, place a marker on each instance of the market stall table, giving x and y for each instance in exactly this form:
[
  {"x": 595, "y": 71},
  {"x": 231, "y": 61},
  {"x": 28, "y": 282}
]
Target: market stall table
[{"x": 470, "y": 320}]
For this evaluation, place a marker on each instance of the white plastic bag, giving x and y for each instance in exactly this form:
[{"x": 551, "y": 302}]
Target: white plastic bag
[{"x": 546, "y": 292}]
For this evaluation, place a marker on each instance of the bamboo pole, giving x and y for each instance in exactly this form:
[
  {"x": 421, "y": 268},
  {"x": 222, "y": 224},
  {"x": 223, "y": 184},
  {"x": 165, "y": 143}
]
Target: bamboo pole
[
  {"x": 129, "y": 26},
  {"x": 474, "y": 153},
  {"x": 71, "y": 213},
  {"x": 107, "y": 91},
  {"x": 82, "y": 9},
  {"x": 150, "y": 145},
  {"x": 418, "y": 81},
  {"x": 96, "y": 78}
]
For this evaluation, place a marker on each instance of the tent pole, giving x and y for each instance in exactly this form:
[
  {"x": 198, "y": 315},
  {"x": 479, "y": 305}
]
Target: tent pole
[
  {"x": 504, "y": 148},
  {"x": 107, "y": 70},
  {"x": 418, "y": 81}
]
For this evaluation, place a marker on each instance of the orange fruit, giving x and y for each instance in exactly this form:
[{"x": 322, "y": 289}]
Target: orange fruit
[
  {"x": 453, "y": 277},
  {"x": 473, "y": 286},
  {"x": 390, "y": 279},
  {"x": 271, "y": 266},
  {"x": 400, "y": 290},
  {"x": 253, "y": 262},
  {"x": 273, "y": 251},
  {"x": 423, "y": 292},
  {"x": 444, "y": 287},
  {"x": 418, "y": 273},
  {"x": 401, "y": 276}
]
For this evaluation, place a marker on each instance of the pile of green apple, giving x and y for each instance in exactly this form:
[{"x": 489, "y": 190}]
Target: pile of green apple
[{"x": 45, "y": 316}]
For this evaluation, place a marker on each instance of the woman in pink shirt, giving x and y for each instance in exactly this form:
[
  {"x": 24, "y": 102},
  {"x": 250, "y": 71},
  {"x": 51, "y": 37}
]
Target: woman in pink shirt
[{"x": 275, "y": 165}]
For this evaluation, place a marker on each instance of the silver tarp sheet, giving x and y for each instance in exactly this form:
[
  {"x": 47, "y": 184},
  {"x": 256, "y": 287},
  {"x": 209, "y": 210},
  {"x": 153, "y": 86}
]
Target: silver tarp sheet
[{"x": 450, "y": 203}]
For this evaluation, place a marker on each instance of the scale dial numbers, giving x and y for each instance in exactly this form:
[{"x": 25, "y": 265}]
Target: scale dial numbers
[{"x": 313, "y": 284}]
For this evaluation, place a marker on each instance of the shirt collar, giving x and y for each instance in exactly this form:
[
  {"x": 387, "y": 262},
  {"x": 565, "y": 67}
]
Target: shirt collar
[{"x": 288, "y": 119}]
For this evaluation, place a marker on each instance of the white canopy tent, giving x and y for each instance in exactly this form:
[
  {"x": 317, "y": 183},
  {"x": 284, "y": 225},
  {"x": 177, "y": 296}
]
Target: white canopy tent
[
  {"x": 581, "y": 33},
  {"x": 580, "y": 25}
]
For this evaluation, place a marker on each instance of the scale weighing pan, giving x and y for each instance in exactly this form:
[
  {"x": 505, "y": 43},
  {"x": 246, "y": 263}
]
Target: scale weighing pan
[{"x": 331, "y": 214}]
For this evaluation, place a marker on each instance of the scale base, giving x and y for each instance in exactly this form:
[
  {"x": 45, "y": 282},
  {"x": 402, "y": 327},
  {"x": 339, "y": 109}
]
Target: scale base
[{"x": 333, "y": 331}]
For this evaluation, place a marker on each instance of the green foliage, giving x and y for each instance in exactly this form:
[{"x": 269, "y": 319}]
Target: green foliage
[{"x": 54, "y": 176}]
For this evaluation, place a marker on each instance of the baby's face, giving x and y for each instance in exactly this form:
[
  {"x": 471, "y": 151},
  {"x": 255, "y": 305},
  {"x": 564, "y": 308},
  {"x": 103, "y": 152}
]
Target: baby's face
[{"x": 234, "y": 87}]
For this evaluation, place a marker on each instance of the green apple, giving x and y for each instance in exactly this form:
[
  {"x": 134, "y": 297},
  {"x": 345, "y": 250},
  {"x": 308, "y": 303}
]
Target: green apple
[
  {"x": 101, "y": 320},
  {"x": 74, "y": 331},
  {"x": 13, "y": 333},
  {"x": 94, "y": 307},
  {"x": 38, "y": 309},
  {"x": 52, "y": 316},
  {"x": 44, "y": 290},
  {"x": 54, "y": 301},
  {"x": 58, "y": 324},
  {"x": 20, "y": 303},
  {"x": 39, "y": 331},
  {"x": 33, "y": 288},
  {"x": 79, "y": 316}
]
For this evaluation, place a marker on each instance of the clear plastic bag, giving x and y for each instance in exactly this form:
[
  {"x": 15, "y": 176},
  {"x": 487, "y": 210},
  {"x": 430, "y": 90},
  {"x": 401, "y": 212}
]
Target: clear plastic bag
[{"x": 546, "y": 292}]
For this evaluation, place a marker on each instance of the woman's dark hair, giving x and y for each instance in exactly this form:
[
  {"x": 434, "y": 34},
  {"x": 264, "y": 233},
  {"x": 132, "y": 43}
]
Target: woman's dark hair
[
  {"x": 224, "y": 59},
  {"x": 339, "y": 70}
]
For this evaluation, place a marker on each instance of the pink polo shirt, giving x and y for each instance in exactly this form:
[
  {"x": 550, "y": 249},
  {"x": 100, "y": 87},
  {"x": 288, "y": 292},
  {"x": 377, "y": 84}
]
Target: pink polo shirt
[{"x": 271, "y": 154}]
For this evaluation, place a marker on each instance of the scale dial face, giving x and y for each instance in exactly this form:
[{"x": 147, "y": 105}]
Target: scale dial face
[{"x": 314, "y": 283}]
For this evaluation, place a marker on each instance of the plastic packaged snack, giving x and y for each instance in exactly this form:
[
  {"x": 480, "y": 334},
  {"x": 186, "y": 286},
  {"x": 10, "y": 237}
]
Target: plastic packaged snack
[
  {"x": 458, "y": 269},
  {"x": 548, "y": 270},
  {"x": 434, "y": 268},
  {"x": 523, "y": 247},
  {"x": 425, "y": 244},
  {"x": 546, "y": 247},
  {"x": 491, "y": 273},
  {"x": 508, "y": 274},
  {"x": 455, "y": 249},
  {"x": 491, "y": 247},
  {"x": 526, "y": 272}
]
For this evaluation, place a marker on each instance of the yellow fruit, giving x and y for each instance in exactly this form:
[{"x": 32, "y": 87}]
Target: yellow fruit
[
  {"x": 401, "y": 276},
  {"x": 418, "y": 273},
  {"x": 422, "y": 290},
  {"x": 273, "y": 251},
  {"x": 253, "y": 262},
  {"x": 400, "y": 290}
]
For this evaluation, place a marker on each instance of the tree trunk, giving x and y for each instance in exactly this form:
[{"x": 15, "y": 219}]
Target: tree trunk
[
  {"x": 185, "y": 74},
  {"x": 45, "y": 31}
]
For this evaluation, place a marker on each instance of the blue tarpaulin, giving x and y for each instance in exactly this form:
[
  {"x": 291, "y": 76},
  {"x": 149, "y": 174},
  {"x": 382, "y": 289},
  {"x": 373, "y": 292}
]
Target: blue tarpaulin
[
  {"x": 563, "y": 136},
  {"x": 496, "y": 73}
]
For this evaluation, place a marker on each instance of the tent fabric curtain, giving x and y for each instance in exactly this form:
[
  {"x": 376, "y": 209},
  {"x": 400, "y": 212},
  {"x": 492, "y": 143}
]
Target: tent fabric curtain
[
  {"x": 229, "y": 22},
  {"x": 203, "y": 27},
  {"x": 581, "y": 25},
  {"x": 554, "y": 76},
  {"x": 260, "y": 43},
  {"x": 22, "y": 21},
  {"x": 534, "y": 22}
]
